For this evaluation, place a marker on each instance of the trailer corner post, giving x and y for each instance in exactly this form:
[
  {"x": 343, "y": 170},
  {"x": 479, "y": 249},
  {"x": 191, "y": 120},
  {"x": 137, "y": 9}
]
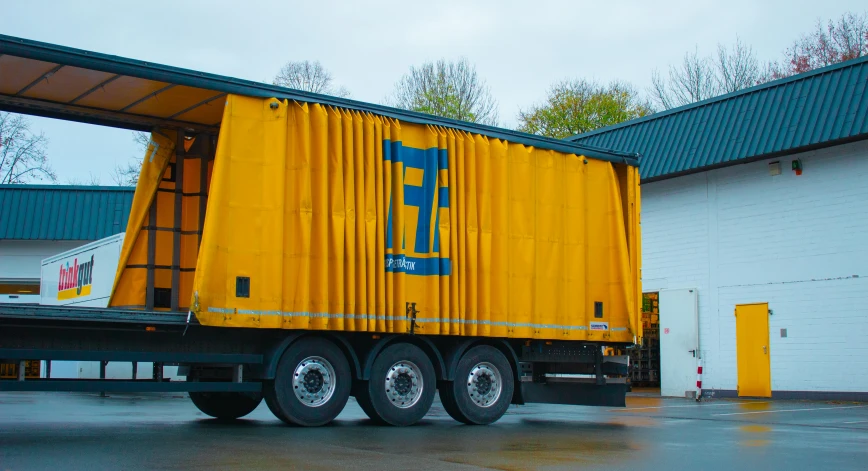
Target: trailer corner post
[
  {"x": 152, "y": 256},
  {"x": 158, "y": 372},
  {"x": 102, "y": 365},
  {"x": 21, "y": 372},
  {"x": 207, "y": 155},
  {"x": 598, "y": 367},
  {"x": 180, "y": 154},
  {"x": 237, "y": 373}
]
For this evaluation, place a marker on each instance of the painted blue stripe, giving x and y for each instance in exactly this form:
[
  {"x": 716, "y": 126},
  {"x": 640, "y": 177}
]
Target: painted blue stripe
[
  {"x": 418, "y": 266},
  {"x": 389, "y": 226},
  {"x": 443, "y": 197},
  {"x": 412, "y": 157},
  {"x": 437, "y": 233},
  {"x": 430, "y": 161}
]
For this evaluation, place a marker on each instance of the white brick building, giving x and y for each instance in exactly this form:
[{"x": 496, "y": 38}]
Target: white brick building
[
  {"x": 725, "y": 213},
  {"x": 39, "y": 221}
]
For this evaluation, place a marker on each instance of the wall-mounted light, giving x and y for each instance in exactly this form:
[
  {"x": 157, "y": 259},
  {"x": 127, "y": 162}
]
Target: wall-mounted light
[
  {"x": 797, "y": 166},
  {"x": 774, "y": 168}
]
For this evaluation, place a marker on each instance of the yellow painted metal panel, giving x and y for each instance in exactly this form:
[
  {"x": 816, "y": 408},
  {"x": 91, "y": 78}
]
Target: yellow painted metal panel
[
  {"x": 752, "y": 339},
  {"x": 347, "y": 221}
]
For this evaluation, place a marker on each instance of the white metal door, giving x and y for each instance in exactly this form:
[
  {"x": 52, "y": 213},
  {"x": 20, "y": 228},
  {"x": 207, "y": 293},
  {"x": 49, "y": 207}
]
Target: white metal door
[{"x": 679, "y": 341}]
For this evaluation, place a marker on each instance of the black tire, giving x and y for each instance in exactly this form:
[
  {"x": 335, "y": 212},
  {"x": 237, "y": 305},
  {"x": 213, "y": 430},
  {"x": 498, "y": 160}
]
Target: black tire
[
  {"x": 226, "y": 405},
  {"x": 381, "y": 403},
  {"x": 364, "y": 401},
  {"x": 280, "y": 393},
  {"x": 448, "y": 401},
  {"x": 457, "y": 398}
]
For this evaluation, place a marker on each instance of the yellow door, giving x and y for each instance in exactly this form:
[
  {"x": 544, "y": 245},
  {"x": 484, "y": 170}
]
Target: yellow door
[{"x": 752, "y": 350}]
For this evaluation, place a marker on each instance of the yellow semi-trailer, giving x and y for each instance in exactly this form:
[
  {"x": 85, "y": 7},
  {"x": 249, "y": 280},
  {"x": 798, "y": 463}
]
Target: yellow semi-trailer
[{"x": 307, "y": 248}]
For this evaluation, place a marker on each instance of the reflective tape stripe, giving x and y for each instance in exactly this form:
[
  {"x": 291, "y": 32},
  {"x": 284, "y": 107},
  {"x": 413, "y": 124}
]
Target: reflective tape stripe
[{"x": 435, "y": 320}]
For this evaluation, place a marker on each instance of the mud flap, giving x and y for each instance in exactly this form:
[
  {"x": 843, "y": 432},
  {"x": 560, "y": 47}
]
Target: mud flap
[{"x": 575, "y": 393}]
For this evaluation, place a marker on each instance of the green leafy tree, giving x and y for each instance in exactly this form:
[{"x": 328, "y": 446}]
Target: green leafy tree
[
  {"x": 448, "y": 89},
  {"x": 576, "y": 106}
]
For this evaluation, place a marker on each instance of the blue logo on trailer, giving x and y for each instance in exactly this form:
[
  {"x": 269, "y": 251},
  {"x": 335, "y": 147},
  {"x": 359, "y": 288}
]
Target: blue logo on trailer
[{"x": 430, "y": 161}]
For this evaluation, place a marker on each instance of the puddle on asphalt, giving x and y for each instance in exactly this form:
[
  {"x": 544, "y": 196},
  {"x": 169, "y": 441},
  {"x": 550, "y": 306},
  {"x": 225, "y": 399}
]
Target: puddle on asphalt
[
  {"x": 753, "y": 435},
  {"x": 524, "y": 443},
  {"x": 756, "y": 428},
  {"x": 751, "y": 406},
  {"x": 643, "y": 401},
  {"x": 540, "y": 452},
  {"x": 635, "y": 421}
]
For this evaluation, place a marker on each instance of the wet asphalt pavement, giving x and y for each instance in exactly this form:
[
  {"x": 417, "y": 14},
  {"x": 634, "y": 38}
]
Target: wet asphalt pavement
[{"x": 60, "y": 431}]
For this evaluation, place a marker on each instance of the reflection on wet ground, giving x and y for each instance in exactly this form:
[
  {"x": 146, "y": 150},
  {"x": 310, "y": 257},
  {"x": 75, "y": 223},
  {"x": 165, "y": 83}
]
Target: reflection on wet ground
[
  {"x": 752, "y": 435},
  {"x": 70, "y": 431}
]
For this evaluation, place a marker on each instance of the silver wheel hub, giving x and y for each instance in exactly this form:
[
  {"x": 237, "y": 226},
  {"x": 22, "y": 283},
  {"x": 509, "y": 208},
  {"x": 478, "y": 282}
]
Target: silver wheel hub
[
  {"x": 484, "y": 384},
  {"x": 313, "y": 381},
  {"x": 404, "y": 384}
]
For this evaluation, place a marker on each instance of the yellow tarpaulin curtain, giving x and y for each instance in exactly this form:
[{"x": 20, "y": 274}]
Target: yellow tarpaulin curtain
[
  {"x": 131, "y": 282},
  {"x": 170, "y": 177},
  {"x": 324, "y": 218}
]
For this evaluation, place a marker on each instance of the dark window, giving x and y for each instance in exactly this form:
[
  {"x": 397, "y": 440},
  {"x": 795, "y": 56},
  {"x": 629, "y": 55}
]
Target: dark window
[
  {"x": 242, "y": 287},
  {"x": 598, "y": 309},
  {"x": 171, "y": 171},
  {"x": 18, "y": 289},
  {"x": 163, "y": 297}
]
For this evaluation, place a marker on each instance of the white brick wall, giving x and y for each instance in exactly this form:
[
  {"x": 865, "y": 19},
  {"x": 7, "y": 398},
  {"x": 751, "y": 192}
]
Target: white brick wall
[{"x": 800, "y": 243}]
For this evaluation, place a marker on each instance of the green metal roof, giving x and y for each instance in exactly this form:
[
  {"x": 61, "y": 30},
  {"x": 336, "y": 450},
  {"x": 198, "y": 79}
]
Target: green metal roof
[
  {"x": 47, "y": 212},
  {"x": 821, "y": 108},
  {"x": 37, "y": 64}
]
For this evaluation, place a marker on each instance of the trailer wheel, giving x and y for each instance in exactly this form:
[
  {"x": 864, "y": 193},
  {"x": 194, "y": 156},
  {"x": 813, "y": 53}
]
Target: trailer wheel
[
  {"x": 312, "y": 383},
  {"x": 482, "y": 389},
  {"x": 364, "y": 401},
  {"x": 226, "y": 405},
  {"x": 401, "y": 387}
]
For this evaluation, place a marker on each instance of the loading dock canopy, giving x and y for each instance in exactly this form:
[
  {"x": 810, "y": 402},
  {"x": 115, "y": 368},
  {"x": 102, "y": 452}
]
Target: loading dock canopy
[{"x": 72, "y": 84}]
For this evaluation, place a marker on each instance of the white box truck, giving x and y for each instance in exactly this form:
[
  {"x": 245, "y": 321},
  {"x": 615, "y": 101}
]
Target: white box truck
[{"x": 82, "y": 276}]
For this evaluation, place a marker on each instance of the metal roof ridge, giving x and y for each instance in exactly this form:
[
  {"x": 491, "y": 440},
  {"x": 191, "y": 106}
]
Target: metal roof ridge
[
  {"x": 720, "y": 98},
  {"x": 54, "y": 53}
]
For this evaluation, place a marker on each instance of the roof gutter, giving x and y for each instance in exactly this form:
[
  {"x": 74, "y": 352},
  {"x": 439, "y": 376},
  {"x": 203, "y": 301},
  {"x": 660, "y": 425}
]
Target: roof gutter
[{"x": 757, "y": 158}]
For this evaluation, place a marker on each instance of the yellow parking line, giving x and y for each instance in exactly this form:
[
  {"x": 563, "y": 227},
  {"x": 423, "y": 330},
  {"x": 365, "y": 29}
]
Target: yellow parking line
[
  {"x": 789, "y": 410},
  {"x": 692, "y": 405}
]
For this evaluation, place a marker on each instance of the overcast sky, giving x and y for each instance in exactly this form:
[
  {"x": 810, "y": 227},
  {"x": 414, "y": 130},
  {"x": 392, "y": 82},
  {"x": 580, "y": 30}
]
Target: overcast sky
[{"x": 519, "y": 47}]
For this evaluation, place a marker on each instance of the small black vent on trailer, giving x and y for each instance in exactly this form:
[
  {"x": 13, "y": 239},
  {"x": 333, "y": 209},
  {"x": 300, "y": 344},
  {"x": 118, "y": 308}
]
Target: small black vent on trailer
[{"x": 242, "y": 287}]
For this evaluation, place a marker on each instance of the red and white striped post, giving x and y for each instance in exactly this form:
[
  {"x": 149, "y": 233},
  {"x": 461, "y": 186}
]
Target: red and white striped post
[{"x": 698, "y": 379}]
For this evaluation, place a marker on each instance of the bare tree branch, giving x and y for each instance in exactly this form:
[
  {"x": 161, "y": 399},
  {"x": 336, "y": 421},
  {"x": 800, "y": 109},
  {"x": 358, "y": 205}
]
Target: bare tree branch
[
  {"x": 128, "y": 173},
  {"x": 737, "y": 67},
  {"x": 446, "y": 88},
  {"x": 310, "y": 77},
  {"x": 699, "y": 78},
  {"x": 23, "y": 157},
  {"x": 92, "y": 180},
  {"x": 827, "y": 44}
]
